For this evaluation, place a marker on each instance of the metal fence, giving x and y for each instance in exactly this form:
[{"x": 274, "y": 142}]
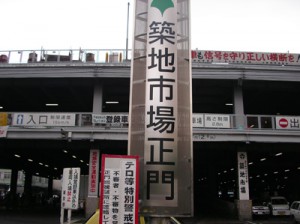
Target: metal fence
[{"x": 65, "y": 56}]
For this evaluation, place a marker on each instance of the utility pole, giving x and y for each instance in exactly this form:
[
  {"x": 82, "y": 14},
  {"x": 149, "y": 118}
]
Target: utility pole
[{"x": 127, "y": 32}]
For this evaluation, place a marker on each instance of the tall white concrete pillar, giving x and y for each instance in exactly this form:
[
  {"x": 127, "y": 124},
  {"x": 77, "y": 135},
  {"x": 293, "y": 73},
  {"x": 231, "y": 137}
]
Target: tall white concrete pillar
[
  {"x": 160, "y": 127},
  {"x": 244, "y": 204},
  {"x": 239, "y": 107},
  {"x": 98, "y": 97}
]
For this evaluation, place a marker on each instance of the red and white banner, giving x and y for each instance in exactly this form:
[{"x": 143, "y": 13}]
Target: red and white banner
[
  {"x": 119, "y": 189},
  {"x": 240, "y": 57},
  {"x": 94, "y": 173}
]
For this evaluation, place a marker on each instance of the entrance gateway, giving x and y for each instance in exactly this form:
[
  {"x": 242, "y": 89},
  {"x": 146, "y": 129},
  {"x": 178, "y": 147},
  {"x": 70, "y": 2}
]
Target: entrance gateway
[{"x": 160, "y": 130}]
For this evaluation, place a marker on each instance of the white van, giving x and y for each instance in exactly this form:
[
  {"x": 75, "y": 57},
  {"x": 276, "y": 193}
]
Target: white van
[{"x": 279, "y": 206}]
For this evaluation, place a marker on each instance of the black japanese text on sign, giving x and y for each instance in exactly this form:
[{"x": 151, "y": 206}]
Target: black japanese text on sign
[
  {"x": 160, "y": 173},
  {"x": 119, "y": 190},
  {"x": 243, "y": 176}
]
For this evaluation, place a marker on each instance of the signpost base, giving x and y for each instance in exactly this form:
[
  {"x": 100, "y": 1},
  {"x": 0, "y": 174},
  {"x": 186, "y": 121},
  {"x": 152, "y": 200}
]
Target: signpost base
[
  {"x": 244, "y": 209},
  {"x": 62, "y": 215},
  {"x": 69, "y": 216},
  {"x": 62, "y": 211}
]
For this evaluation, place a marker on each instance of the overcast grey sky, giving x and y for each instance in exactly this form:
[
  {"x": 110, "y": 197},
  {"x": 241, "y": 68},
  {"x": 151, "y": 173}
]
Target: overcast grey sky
[{"x": 228, "y": 25}]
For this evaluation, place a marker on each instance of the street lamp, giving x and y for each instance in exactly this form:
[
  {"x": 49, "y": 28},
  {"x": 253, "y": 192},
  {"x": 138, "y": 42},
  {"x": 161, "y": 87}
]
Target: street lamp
[{"x": 127, "y": 32}]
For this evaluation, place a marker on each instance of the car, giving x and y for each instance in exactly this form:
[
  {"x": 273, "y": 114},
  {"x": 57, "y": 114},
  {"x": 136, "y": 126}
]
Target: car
[
  {"x": 279, "y": 206},
  {"x": 54, "y": 200},
  {"x": 260, "y": 208},
  {"x": 295, "y": 211}
]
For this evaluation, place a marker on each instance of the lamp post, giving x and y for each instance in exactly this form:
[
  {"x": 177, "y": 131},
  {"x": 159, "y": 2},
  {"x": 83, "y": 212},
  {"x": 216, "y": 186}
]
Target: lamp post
[{"x": 127, "y": 32}]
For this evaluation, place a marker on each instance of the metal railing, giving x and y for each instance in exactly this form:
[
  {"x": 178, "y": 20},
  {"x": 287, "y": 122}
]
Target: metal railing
[
  {"x": 120, "y": 120},
  {"x": 65, "y": 56}
]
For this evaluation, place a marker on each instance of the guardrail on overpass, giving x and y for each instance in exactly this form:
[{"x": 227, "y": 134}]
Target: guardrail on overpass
[{"x": 59, "y": 55}]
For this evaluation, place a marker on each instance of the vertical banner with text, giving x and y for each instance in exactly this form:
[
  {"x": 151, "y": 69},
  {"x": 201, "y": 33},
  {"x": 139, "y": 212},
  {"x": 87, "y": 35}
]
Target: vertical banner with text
[
  {"x": 243, "y": 176},
  {"x": 94, "y": 173},
  {"x": 160, "y": 173},
  {"x": 70, "y": 188},
  {"x": 160, "y": 115}
]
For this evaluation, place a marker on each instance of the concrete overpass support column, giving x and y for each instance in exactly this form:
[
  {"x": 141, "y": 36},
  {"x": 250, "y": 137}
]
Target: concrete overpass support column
[
  {"x": 239, "y": 107},
  {"x": 28, "y": 188},
  {"x": 212, "y": 180},
  {"x": 12, "y": 202},
  {"x": 243, "y": 204},
  {"x": 50, "y": 186},
  {"x": 98, "y": 97}
]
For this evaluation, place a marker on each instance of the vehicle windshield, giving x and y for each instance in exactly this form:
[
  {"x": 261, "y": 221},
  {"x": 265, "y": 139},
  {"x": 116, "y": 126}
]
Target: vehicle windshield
[{"x": 279, "y": 201}]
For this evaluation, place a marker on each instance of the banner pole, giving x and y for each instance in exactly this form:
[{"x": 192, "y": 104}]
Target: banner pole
[
  {"x": 62, "y": 216},
  {"x": 69, "y": 215}
]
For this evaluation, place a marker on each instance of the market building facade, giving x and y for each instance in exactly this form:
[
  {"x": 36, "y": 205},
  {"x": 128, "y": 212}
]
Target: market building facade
[{"x": 58, "y": 105}]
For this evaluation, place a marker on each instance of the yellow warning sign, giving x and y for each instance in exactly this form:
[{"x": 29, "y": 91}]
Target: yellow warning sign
[{"x": 3, "y": 119}]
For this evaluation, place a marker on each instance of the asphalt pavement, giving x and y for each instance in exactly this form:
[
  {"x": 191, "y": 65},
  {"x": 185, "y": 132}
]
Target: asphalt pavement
[
  {"x": 216, "y": 220},
  {"x": 52, "y": 216},
  {"x": 42, "y": 215}
]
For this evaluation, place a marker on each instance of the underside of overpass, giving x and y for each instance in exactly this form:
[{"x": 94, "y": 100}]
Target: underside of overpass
[
  {"x": 274, "y": 168},
  {"x": 47, "y": 158}
]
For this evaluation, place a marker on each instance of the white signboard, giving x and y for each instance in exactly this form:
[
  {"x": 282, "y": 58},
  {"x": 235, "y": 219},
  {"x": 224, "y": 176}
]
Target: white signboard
[
  {"x": 119, "y": 189},
  {"x": 211, "y": 121},
  {"x": 110, "y": 119},
  {"x": 242, "y": 57},
  {"x": 94, "y": 173},
  {"x": 3, "y": 131},
  {"x": 217, "y": 121},
  {"x": 70, "y": 188},
  {"x": 198, "y": 120},
  {"x": 288, "y": 123},
  {"x": 243, "y": 176},
  {"x": 43, "y": 119}
]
